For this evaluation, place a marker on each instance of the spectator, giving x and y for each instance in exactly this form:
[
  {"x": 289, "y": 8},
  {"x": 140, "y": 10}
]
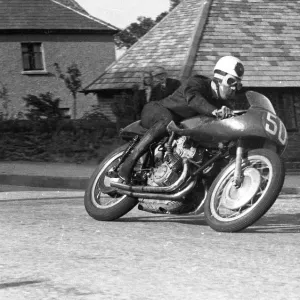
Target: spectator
[
  {"x": 142, "y": 93},
  {"x": 163, "y": 85}
]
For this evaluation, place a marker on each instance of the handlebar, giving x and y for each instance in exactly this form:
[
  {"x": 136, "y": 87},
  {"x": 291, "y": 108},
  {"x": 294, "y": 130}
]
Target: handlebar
[
  {"x": 239, "y": 112},
  {"x": 230, "y": 113}
]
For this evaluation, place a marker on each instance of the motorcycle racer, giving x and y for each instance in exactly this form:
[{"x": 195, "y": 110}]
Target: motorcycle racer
[{"x": 199, "y": 95}]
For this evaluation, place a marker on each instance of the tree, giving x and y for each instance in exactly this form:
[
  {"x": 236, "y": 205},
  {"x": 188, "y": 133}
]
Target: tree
[
  {"x": 72, "y": 81},
  {"x": 160, "y": 16},
  {"x": 132, "y": 33}
]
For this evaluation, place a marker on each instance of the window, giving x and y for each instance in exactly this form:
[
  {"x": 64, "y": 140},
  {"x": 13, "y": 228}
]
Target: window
[
  {"x": 285, "y": 109},
  {"x": 32, "y": 56},
  {"x": 284, "y": 103}
]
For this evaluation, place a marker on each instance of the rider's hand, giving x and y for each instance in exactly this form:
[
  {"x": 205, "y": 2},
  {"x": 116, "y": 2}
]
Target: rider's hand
[{"x": 223, "y": 113}]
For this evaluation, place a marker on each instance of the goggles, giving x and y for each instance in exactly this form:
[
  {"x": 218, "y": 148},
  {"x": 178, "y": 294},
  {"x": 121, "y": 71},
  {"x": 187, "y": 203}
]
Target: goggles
[
  {"x": 159, "y": 75},
  {"x": 230, "y": 81}
]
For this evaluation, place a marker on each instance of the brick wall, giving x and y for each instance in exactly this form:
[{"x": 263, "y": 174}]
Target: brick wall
[
  {"x": 92, "y": 53},
  {"x": 292, "y": 152}
]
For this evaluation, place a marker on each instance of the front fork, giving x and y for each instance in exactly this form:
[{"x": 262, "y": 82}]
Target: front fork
[
  {"x": 238, "y": 176},
  {"x": 125, "y": 154}
]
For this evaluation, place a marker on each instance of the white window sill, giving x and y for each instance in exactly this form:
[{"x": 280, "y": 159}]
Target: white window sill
[{"x": 36, "y": 72}]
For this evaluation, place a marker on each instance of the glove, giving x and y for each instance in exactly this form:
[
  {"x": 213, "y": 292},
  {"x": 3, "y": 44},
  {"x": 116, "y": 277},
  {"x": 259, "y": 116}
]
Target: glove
[{"x": 222, "y": 113}]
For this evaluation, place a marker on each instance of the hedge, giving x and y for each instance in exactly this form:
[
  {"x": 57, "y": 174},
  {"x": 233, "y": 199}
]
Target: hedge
[{"x": 62, "y": 141}]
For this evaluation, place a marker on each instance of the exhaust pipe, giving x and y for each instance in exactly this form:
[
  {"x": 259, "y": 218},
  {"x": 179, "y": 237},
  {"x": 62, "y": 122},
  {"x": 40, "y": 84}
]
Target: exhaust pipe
[
  {"x": 155, "y": 189},
  {"x": 157, "y": 196}
]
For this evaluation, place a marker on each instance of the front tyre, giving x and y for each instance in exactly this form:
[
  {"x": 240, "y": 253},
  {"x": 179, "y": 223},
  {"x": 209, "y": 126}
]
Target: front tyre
[
  {"x": 101, "y": 201},
  {"x": 228, "y": 209}
]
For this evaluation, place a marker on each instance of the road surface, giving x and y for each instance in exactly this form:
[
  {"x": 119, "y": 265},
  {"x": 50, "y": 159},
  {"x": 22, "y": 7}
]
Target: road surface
[{"x": 51, "y": 249}]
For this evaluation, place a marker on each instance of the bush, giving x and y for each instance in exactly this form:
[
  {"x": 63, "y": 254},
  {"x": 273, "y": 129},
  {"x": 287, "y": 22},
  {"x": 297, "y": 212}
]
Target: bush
[
  {"x": 43, "y": 107},
  {"x": 72, "y": 141}
]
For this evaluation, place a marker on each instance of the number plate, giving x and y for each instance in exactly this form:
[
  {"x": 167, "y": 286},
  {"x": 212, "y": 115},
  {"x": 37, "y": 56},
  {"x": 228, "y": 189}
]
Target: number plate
[{"x": 275, "y": 128}]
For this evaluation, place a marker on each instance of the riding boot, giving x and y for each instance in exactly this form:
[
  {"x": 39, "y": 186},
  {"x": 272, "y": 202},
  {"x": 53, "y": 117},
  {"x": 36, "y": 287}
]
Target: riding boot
[{"x": 155, "y": 132}]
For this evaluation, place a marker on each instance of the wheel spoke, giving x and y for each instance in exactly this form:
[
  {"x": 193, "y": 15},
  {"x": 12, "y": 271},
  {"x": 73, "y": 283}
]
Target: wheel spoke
[
  {"x": 233, "y": 214},
  {"x": 112, "y": 200},
  {"x": 103, "y": 194},
  {"x": 98, "y": 195},
  {"x": 265, "y": 173}
]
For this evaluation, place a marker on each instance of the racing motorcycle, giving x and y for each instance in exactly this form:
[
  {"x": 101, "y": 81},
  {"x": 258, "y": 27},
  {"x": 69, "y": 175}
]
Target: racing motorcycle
[{"x": 230, "y": 169}]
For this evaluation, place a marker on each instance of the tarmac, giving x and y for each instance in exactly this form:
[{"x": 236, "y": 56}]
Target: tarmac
[{"x": 75, "y": 176}]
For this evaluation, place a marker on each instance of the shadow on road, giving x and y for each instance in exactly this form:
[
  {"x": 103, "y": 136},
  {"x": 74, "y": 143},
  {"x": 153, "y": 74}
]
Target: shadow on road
[
  {"x": 18, "y": 284},
  {"x": 277, "y": 223},
  {"x": 184, "y": 219}
]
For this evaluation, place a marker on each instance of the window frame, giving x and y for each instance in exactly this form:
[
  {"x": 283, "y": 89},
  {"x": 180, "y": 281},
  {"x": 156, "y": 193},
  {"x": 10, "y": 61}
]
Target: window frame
[
  {"x": 279, "y": 100},
  {"x": 42, "y": 62},
  {"x": 287, "y": 110}
]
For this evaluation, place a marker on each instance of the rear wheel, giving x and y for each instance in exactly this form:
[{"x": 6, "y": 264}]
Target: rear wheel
[
  {"x": 101, "y": 201},
  {"x": 229, "y": 209}
]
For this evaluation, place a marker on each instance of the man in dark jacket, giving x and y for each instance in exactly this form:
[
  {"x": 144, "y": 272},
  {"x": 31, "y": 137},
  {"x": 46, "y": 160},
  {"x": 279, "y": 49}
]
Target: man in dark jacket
[
  {"x": 163, "y": 85},
  {"x": 198, "y": 96},
  {"x": 142, "y": 93}
]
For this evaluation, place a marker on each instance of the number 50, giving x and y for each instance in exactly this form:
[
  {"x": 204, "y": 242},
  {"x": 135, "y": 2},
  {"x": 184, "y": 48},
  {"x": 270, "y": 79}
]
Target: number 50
[{"x": 272, "y": 125}]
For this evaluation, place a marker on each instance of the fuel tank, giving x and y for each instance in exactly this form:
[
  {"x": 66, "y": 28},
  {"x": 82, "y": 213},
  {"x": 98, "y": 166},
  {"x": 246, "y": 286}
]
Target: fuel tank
[{"x": 254, "y": 123}]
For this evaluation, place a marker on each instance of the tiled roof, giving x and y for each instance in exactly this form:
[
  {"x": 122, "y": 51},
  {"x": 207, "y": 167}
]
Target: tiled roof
[
  {"x": 265, "y": 34},
  {"x": 47, "y": 15},
  {"x": 166, "y": 44}
]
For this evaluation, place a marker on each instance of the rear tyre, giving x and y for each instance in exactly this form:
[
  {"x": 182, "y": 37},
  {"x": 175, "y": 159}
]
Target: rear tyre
[
  {"x": 231, "y": 210},
  {"x": 101, "y": 201}
]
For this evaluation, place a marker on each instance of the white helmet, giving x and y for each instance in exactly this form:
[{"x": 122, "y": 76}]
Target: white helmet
[{"x": 230, "y": 65}]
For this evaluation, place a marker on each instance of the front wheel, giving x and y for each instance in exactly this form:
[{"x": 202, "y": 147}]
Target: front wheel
[
  {"x": 101, "y": 201},
  {"x": 230, "y": 209}
]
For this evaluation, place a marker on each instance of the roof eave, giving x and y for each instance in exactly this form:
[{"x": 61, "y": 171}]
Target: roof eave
[
  {"x": 108, "y": 88},
  {"x": 57, "y": 30},
  {"x": 246, "y": 84},
  {"x": 271, "y": 84}
]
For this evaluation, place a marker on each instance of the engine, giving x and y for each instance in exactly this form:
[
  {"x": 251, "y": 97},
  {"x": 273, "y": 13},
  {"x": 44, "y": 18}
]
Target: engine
[
  {"x": 169, "y": 170},
  {"x": 184, "y": 148}
]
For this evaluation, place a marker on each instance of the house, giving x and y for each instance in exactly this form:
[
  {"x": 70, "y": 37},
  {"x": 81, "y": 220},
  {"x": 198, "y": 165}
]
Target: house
[
  {"x": 265, "y": 35},
  {"x": 36, "y": 34}
]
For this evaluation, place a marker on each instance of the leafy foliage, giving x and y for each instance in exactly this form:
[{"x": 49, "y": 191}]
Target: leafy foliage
[
  {"x": 75, "y": 142},
  {"x": 72, "y": 80},
  {"x": 132, "y": 33},
  {"x": 42, "y": 107},
  {"x": 95, "y": 113},
  {"x": 5, "y": 101}
]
